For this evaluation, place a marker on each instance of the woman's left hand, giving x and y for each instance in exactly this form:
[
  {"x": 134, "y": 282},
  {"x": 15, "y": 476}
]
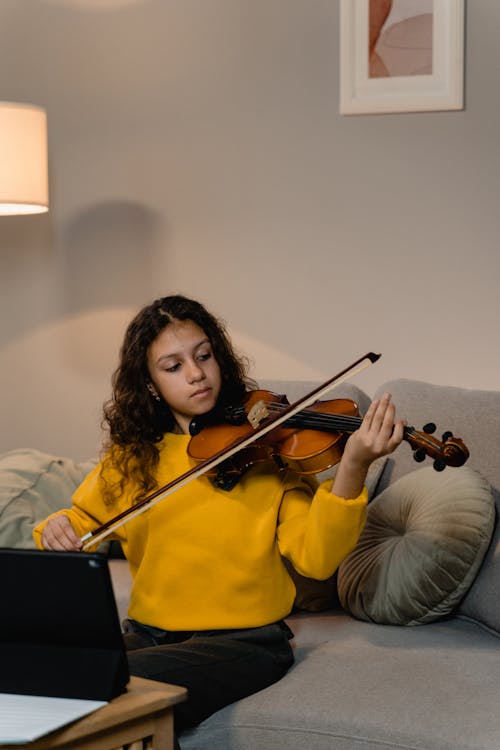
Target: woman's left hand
[{"x": 378, "y": 435}]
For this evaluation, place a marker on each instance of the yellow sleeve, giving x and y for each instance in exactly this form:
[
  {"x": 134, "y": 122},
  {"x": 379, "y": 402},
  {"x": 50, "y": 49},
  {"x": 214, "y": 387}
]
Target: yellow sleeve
[{"x": 317, "y": 531}]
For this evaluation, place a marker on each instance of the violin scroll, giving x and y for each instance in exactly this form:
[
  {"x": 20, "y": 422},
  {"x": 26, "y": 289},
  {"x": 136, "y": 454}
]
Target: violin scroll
[{"x": 449, "y": 451}]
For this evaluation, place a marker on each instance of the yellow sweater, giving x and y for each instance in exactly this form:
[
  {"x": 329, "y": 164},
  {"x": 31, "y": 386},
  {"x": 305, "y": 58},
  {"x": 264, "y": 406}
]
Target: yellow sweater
[{"x": 204, "y": 558}]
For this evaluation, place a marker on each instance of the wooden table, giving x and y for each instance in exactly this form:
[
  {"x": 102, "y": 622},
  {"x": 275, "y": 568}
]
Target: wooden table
[{"x": 142, "y": 717}]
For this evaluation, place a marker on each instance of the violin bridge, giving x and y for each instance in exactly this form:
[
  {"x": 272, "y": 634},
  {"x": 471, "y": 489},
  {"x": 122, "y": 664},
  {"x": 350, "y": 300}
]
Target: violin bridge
[{"x": 257, "y": 413}]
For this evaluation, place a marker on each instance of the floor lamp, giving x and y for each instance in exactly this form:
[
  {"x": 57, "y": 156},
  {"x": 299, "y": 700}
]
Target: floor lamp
[{"x": 23, "y": 159}]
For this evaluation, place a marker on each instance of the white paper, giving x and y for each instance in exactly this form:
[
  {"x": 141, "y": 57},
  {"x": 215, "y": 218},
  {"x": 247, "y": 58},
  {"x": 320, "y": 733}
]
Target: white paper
[{"x": 24, "y": 718}]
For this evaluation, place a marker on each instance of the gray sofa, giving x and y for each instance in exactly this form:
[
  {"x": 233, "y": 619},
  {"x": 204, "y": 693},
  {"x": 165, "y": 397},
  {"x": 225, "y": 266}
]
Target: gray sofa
[{"x": 399, "y": 650}]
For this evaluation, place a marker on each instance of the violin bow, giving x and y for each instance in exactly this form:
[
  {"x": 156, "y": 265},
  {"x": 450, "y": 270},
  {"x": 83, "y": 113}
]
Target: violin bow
[{"x": 96, "y": 536}]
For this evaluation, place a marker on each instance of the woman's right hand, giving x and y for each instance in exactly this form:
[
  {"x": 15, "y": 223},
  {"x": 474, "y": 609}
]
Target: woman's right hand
[{"x": 60, "y": 535}]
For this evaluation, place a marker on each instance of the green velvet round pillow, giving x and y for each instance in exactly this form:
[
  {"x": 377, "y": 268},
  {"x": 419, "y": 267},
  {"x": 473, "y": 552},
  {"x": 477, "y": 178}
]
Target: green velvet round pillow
[{"x": 423, "y": 543}]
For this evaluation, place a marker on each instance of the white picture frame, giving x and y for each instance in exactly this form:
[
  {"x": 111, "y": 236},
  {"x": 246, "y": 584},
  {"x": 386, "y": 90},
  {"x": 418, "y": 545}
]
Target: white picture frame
[{"x": 440, "y": 88}]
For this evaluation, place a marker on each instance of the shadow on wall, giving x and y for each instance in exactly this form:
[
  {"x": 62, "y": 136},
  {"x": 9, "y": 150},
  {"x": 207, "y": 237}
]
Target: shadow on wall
[
  {"x": 109, "y": 256},
  {"x": 27, "y": 274}
]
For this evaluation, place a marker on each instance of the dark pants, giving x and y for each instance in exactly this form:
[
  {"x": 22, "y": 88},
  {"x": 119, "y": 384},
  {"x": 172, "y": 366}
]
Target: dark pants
[{"x": 217, "y": 667}]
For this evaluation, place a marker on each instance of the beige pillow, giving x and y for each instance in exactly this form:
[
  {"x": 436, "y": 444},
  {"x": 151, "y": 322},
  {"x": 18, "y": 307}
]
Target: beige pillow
[
  {"x": 34, "y": 484},
  {"x": 424, "y": 540}
]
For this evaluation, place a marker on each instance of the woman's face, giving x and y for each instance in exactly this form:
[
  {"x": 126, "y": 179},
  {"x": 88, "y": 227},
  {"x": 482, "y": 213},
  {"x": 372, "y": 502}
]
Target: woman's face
[{"x": 184, "y": 371}]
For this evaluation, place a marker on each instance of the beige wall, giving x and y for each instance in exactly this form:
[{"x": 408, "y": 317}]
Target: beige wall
[{"x": 196, "y": 146}]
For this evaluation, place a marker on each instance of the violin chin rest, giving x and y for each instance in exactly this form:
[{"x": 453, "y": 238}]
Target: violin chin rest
[{"x": 195, "y": 426}]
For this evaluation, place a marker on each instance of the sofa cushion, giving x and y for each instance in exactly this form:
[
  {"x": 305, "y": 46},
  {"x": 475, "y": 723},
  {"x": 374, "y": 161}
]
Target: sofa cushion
[
  {"x": 34, "y": 484},
  {"x": 472, "y": 415},
  {"x": 425, "y": 538},
  {"x": 370, "y": 687}
]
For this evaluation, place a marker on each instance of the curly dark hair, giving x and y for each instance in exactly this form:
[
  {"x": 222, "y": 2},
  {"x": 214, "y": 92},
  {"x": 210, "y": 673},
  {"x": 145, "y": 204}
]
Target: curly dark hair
[{"x": 134, "y": 420}]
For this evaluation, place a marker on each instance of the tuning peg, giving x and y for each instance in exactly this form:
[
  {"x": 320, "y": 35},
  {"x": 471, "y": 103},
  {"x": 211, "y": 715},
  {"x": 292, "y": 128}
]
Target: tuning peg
[
  {"x": 439, "y": 464},
  {"x": 429, "y": 428},
  {"x": 446, "y": 436},
  {"x": 419, "y": 455}
]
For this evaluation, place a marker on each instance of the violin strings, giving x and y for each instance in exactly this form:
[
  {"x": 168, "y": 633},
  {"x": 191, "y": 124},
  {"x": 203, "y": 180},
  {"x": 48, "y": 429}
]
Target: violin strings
[{"x": 311, "y": 418}]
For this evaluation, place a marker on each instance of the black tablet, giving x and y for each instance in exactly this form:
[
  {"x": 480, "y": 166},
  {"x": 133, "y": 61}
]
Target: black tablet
[{"x": 60, "y": 633}]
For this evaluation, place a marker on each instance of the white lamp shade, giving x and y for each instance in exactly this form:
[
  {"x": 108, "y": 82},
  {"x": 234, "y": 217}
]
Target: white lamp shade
[{"x": 23, "y": 159}]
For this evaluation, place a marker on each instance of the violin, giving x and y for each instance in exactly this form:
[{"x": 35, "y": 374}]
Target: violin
[
  {"x": 261, "y": 423},
  {"x": 309, "y": 442}
]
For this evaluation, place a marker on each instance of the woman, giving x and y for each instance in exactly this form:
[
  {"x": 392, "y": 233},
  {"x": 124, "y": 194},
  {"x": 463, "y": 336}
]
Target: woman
[{"x": 210, "y": 589}]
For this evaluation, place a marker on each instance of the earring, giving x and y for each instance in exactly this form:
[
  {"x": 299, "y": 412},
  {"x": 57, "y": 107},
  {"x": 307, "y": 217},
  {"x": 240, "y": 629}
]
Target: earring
[{"x": 153, "y": 391}]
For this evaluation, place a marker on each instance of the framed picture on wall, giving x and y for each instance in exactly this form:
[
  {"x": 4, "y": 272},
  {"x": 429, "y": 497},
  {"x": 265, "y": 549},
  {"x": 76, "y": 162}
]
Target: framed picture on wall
[{"x": 401, "y": 55}]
